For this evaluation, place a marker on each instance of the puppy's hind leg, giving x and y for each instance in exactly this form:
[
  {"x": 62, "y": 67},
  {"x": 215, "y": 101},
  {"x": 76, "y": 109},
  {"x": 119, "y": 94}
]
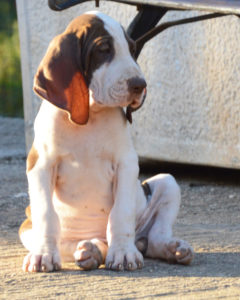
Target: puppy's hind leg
[{"x": 162, "y": 209}]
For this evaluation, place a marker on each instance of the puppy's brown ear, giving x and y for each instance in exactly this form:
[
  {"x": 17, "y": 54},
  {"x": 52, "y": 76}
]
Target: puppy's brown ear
[{"x": 59, "y": 78}]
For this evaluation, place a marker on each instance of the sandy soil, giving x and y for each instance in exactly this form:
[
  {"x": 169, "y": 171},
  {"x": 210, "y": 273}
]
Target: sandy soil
[{"x": 209, "y": 219}]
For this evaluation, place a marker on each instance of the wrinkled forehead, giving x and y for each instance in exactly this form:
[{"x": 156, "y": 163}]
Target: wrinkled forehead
[{"x": 111, "y": 26}]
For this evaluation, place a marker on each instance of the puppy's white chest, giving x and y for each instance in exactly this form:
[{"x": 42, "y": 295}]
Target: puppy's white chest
[
  {"x": 83, "y": 195},
  {"x": 84, "y": 167},
  {"x": 82, "y": 181}
]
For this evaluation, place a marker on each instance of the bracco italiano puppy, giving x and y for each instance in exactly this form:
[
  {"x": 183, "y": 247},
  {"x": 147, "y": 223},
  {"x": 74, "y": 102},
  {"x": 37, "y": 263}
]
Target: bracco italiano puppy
[{"x": 86, "y": 202}]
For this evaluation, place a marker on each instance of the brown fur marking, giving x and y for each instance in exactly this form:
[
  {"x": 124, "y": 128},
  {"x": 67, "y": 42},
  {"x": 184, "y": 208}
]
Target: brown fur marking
[
  {"x": 32, "y": 158},
  {"x": 27, "y": 224},
  {"x": 28, "y": 212}
]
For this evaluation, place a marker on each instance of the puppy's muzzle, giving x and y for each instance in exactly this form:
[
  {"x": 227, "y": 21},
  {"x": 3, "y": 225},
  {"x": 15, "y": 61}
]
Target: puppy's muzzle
[
  {"x": 136, "y": 86},
  {"x": 137, "y": 89}
]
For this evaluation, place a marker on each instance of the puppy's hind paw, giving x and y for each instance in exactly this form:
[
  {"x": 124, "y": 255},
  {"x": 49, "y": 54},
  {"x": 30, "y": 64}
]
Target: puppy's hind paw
[
  {"x": 179, "y": 251},
  {"x": 88, "y": 256}
]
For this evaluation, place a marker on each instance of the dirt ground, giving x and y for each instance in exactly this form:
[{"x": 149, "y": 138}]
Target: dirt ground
[{"x": 209, "y": 219}]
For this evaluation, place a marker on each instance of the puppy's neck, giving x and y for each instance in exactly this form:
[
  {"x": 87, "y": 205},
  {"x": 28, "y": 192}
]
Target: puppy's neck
[
  {"x": 98, "y": 112},
  {"x": 97, "y": 109}
]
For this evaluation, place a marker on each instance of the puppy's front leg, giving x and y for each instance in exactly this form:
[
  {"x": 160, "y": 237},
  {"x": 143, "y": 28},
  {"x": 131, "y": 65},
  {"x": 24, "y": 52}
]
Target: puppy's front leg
[
  {"x": 122, "y": 252},
  {"x": 44, "y": 235}
]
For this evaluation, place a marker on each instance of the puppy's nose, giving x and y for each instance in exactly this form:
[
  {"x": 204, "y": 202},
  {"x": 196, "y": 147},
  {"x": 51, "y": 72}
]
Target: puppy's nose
[{"x": 136, "y": 85}]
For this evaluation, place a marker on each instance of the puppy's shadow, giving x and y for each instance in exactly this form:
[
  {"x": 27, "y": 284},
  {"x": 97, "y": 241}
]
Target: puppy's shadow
[{"x": 223, "y": 264}]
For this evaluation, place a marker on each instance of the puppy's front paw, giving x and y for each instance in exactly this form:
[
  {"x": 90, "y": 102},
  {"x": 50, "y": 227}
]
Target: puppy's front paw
[
  {"x": 124, "y": 258},
  {"x": 42, "y": 262},
  {"x": 88, "y": 256}
]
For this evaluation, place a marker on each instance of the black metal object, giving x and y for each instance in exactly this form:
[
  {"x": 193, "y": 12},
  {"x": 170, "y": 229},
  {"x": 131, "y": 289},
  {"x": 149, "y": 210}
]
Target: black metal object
[
  {"x": 59, "y": 5},
  {"x": 146, "y": 19},
  {"x": 143, "y": 27}
]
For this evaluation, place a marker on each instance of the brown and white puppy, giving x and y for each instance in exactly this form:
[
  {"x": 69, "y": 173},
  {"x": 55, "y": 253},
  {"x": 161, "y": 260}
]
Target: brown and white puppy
[{"x": 86, "y": 202}]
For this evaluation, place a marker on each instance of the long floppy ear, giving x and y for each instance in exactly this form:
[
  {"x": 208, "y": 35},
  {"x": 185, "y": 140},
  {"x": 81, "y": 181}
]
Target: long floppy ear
[{"x": 59, "y": 78}]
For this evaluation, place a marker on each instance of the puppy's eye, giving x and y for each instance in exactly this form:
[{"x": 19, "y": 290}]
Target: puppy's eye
[{"x": 104, "y": 48}]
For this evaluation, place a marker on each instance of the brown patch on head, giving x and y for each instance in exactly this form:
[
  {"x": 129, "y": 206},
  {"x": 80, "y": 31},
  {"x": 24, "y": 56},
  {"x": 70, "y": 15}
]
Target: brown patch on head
[
  {"x": 66, "y": 70},
  {"x": 32, "y": 158}
]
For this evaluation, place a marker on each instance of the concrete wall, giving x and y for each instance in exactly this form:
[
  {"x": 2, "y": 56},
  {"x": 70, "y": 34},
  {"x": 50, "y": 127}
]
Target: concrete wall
[{"x": 192, "y": 112}]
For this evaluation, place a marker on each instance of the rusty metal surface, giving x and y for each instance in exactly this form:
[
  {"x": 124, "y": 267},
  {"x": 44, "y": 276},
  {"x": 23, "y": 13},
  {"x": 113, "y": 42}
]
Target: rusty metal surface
[{"x": 221, "y": 6}]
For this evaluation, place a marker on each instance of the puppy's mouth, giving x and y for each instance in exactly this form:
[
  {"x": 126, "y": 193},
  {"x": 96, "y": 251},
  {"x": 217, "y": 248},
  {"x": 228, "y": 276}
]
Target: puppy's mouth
[
  {"x": 137, "y": 100},
  {"x": 137, "y": 90},
  {"x": 135, "y": 105}
]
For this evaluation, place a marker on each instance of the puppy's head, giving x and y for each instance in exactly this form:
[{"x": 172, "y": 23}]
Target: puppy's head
[{"x": 92, "y": 56}]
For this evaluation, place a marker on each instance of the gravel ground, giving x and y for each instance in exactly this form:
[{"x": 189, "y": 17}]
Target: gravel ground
[{"x": 209, "y": 219}]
